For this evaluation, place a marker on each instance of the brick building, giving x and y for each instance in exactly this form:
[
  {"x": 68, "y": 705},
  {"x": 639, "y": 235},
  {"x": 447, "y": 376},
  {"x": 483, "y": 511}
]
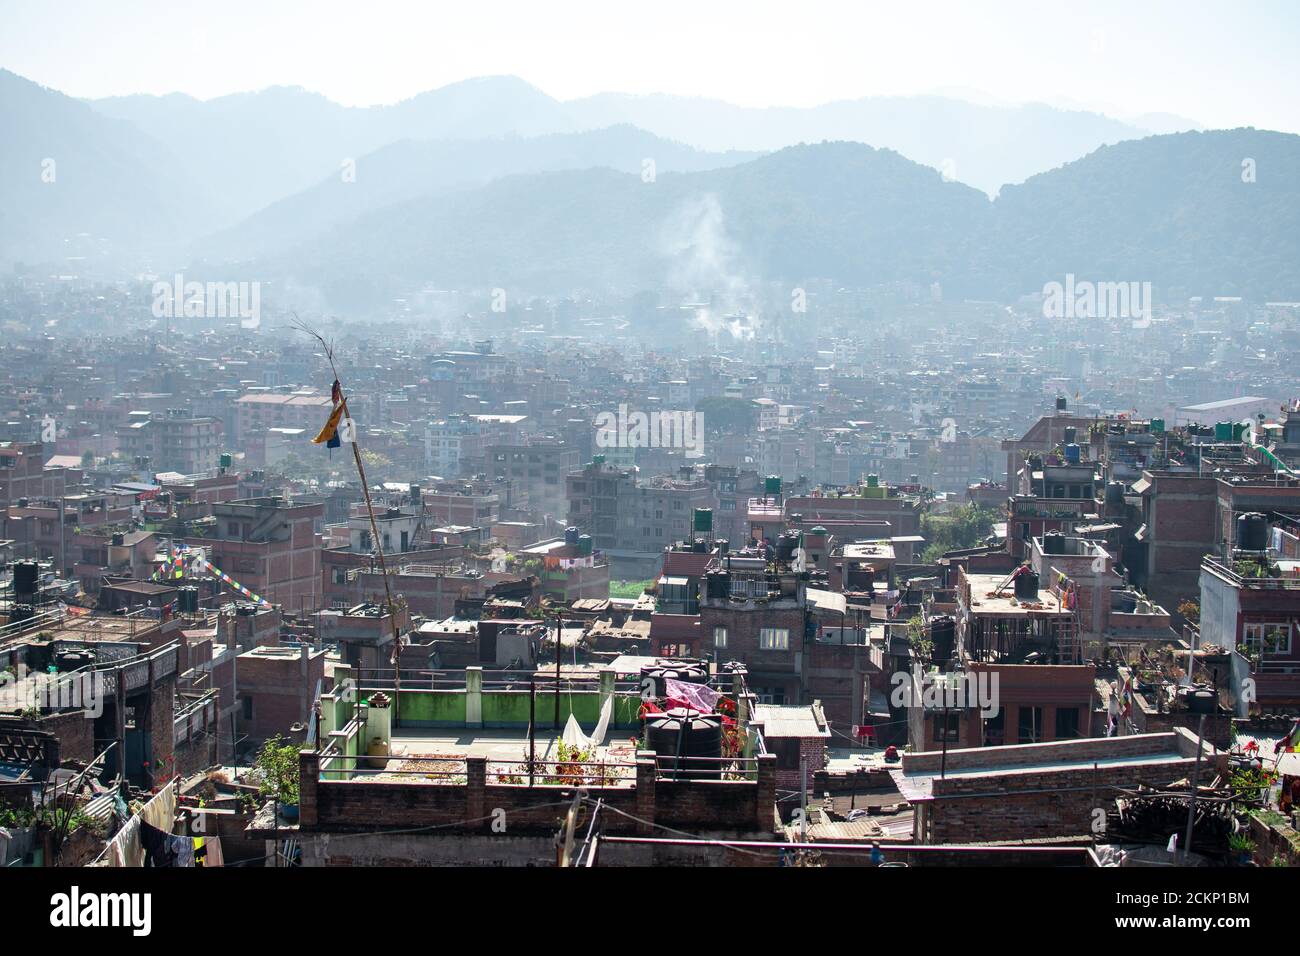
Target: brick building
[
  {"x": 22, "y": 471},
  {"x": 277, "y": 687},
  {"x": 256, "y": 412},
  {"x": 269, "y": 545},
  {"x": 1039, "y": 791}
]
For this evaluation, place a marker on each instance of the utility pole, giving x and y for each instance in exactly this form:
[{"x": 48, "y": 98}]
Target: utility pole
[
  {"x": 532, "y": 729},
  {"x": 570, "y": 820},
  {"x": 803, "y": 799},
  {"x": 559, "y": 632},
  {"x": 396, "y": 658},
  {"x": 1191, "y": 805},
  {"x": 943, "y": 757}
]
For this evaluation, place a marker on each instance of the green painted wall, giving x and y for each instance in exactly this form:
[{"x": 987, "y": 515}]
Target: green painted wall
[
  {"x": 424, "y": 708},
  {"x": 437, "y": 708}
]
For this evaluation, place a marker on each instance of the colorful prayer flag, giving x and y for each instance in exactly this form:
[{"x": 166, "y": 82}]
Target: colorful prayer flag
[{"x": 330, "y": 433}]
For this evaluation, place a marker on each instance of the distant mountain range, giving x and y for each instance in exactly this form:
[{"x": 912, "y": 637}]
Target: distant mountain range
[
  {"x": 74, "y": 182},
  {"x": 1172, "y": 210},
  {"x": 410, "y": 169},
  {"x": 492, "y": 182},
  {"x": 982, "y": 146}
]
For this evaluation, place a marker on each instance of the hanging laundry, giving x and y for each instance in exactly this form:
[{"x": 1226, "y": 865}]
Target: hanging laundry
[
  {"x": 182, "y": 850},
  {"x": 214, "y": 856},
  {"x": 695, "y": 696},
  {"x": 158, "y": 850}
]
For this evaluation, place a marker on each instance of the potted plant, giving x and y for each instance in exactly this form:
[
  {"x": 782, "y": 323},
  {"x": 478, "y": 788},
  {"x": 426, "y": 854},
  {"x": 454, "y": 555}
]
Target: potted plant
[
  {"x": 277, "y": 763},
  {"x": 1242, "y": 847}
]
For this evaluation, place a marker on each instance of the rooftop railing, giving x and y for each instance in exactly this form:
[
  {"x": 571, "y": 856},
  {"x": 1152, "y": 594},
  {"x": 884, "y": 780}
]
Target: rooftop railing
[{"x": 1230, "y": 574}]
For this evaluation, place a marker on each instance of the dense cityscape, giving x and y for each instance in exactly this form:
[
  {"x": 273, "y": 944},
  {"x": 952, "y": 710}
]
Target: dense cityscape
[{"x": 964, "y": 547}]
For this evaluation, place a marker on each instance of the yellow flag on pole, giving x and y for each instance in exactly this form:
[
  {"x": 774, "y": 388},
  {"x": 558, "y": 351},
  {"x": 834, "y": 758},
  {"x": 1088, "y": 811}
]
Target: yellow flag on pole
[{"x": 331, "y": 428}]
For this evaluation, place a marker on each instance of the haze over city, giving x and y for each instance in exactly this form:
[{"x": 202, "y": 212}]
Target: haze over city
[{"x": 721, "y": 436}]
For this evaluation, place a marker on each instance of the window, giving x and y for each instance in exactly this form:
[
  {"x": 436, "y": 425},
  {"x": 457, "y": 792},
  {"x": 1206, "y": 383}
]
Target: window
[
  {"x": 1261, "y": 639},
  {"x": 994, "y": 728},
  {"x": 947, "y": 726},
  {"x": 720, "y": 637},
  {"x": 1031, "y": 722},
  {"x": 248, "y": 708},
  {"x": 1067, "y": 723},
  {"x": 774, "y": 639}
]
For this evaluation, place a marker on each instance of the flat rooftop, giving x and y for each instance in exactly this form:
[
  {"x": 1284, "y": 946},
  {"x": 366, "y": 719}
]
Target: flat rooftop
[
  {"x": 498, "y": 744},
  {"x": 869, "y": 550},
  {"x": 984, "y": 601},
  {"x": 916, "y": 776}
]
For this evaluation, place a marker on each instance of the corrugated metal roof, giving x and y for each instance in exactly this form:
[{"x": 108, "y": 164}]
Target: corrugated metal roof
[{"x": 790, "y": 720}]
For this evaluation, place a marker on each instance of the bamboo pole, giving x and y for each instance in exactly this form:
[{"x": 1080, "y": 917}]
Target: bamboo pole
[{"x": 374, "y": 526}]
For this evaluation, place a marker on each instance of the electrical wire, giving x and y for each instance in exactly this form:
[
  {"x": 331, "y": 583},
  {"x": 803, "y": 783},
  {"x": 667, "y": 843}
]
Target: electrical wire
[{"x": 680, "y": 833}]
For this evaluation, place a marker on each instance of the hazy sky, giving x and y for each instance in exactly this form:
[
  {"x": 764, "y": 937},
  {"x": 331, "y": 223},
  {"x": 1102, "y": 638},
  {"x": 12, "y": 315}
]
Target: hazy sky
[{"x": 1221, "y": 64}]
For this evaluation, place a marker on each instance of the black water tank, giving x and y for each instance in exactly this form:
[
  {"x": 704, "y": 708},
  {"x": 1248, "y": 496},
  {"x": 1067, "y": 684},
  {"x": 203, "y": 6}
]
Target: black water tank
[
  {"x": 1115, "y": 494},
  {"x": 1053, "y": 543},
  {"x": 73, "y": 660},
  {"x": 1252, "y": 532},
  {"x": 188, "y": 600},
  {"x": 785, "y": 545},
  {"x": 26, "y": 574},
  {"x": 687, "y": 733},
  {"x": 717, "y": 585},
  {"x": 1200, "y": 700},
  {"x": 571, "y": 537},
  {"x": 1070, "y": 433},
  {"x": 943, "y": 634},
  {"x": 1027, "y": 586}
]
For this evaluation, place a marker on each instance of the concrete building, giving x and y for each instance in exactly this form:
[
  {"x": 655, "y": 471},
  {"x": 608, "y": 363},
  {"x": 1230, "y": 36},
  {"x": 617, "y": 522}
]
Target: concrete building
[
  {"x": 173, "y": 441},
  {"x": 542, "y": 464}
]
